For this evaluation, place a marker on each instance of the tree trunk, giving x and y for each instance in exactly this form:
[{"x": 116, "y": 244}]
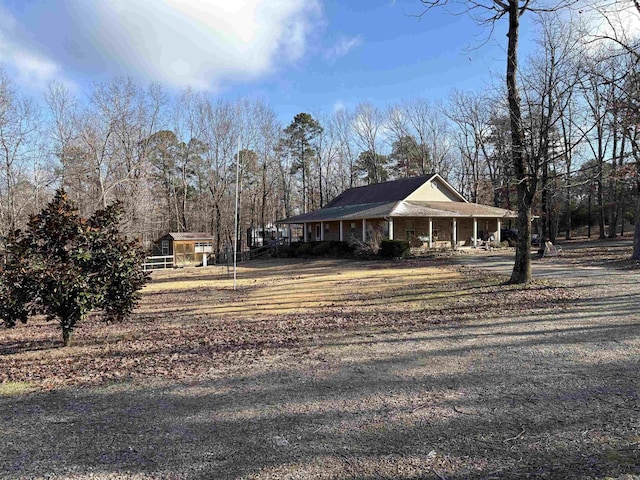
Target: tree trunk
[
  {"x": 522, "y": 265},
  {"x": 636, "y": 235},
  {"x": 567, "y": 235},
  {"x": 545, "y": 220},
  {"x": 600, "y": 200},
  {"x": 67, "y": 333}
]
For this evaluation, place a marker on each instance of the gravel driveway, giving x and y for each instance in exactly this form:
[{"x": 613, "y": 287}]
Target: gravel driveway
[{"x": 520, "y": 392}]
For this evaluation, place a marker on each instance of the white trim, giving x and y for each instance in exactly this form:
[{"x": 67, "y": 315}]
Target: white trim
[
  {"x": 475, "y": 232},
  {"x": 455, "y": 233}
]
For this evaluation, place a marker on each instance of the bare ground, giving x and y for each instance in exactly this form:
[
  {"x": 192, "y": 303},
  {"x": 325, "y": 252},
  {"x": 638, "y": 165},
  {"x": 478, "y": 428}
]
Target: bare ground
[{"x": 417, "y": 369}]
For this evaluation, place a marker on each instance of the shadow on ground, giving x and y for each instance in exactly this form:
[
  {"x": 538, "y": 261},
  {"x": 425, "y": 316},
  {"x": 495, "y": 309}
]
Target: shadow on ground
[
  {"x": 530, "y": 397},
  {"x": 546, "y": 393}
]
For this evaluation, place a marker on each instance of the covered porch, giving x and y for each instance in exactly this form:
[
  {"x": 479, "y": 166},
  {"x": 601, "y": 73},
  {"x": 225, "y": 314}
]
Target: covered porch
[{"x": 430, "y": 232}]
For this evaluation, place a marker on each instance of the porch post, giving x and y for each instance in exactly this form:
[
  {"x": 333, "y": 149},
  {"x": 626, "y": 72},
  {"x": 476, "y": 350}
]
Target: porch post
[
  {"x": 304, "y": 234},
  {"x": 475, "y": 232},
  {"x": 390, "y": 228},
  {"x": 364, "y": 229},
  {"x": 341, "y": 232},
  {"x": 498, "y": 239},
  {"x": 430, "y": 232},
  {"x": 322, "y": 231},
  {"x": 455, "y": 233}
]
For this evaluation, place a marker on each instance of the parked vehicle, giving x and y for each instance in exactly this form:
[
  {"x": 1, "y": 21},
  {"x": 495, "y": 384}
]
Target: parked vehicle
[{"x": 535, "y": 239}]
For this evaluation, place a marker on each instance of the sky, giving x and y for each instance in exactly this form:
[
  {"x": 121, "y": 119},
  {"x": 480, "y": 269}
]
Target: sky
[{"x": 299, "y": 55}]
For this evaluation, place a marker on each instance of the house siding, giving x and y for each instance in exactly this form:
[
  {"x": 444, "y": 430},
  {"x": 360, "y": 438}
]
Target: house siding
[
  {"x": 332, "y": 231},
  {"x": 433, "y": 191}
]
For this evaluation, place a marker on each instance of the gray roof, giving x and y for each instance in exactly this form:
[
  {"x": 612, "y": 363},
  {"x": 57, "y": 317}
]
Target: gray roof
[
  {"x": 385, "y": 192},
  {"x": 387, "y": 199},
  {"x": 190, "y": 236},
  {"x": 347, "y": 212},
  {"x": 402, "y": 209},
  {"x": 450, "y": 209}
]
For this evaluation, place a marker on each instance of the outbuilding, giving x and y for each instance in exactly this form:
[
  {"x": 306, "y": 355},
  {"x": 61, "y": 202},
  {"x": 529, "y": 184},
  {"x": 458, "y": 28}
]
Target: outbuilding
[{"x": 187, "y": 248}]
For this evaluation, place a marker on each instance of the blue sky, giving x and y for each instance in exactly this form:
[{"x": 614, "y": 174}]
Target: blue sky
[{"x": 299, "y": 55}]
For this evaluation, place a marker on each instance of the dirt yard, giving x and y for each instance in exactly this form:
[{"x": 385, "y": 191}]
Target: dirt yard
[{"x": 427, "y": 368}]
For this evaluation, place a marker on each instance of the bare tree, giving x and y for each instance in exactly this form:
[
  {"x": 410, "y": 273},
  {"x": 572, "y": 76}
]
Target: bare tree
[
  {"x": 368, "y": 127},
  {"x": 19, "y": 152},
  {"x": 471, "y": 114},
  {"x": 343, "y": 125},
  {"x": 487, "y": 13},
  {"x": 551, "y": 75},
  {"x": 627, "y": 85}
]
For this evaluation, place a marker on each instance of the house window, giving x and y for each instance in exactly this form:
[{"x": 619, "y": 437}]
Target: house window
[
  {"x": 352, "y": 228},
  {"x": 434, "y": 229},
  {"x": 165, "y": 247},
  {"x": 410, "y": 229},
  {"x": 318, "y": 232}
]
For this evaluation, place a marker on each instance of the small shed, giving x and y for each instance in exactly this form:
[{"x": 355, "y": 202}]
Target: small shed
[{"x": 187, "y": 248}]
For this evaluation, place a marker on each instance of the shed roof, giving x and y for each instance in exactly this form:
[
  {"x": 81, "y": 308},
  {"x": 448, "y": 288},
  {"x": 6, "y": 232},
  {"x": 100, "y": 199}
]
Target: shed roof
[{"x": 189, "y": 236}]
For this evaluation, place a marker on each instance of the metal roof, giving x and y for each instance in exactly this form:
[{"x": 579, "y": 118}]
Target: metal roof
[
  {"x": 388, "y": 199},
  {"x": 347, "y": 212},
  {"x": 190, "y": 236},
  {"x": 402, "y": 209},
  {"x": 450, "y": 209}
]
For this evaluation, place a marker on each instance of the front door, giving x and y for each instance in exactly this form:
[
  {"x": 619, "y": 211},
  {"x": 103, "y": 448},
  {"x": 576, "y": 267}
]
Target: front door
[{"x": 318, "y": 232}]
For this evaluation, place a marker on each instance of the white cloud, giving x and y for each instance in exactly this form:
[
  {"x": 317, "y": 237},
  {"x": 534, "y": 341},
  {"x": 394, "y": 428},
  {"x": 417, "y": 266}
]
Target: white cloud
[
  {"x": 342, "y": 47},
  {"x": 618, "y": 20},
  {"x": 339, "y": 105},
  {"x": 31, "y": 68},
  {"x": 201, "y": 44}
]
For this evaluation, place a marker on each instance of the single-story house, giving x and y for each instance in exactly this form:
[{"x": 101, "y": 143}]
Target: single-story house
[
  {"x": 187, "y": 248},
  {"x": 424, "y": 209}
]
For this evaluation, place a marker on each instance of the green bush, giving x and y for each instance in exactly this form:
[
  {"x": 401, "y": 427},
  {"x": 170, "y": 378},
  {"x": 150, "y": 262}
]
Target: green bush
[
  {"x": 339, "y": 249},
  {"x": 330, "y": 248},
  {"x": 394, "y": 249},
  {"x": 64, "y": 266},
  {"x": 321, "y": 249},
  {"x": 305, "y": 250}
]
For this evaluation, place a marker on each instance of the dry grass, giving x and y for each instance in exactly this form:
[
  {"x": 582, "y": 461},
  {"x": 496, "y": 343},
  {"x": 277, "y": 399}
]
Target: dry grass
[
  {"x": 333, "y": 369},
  {"x": 292, "y": 287}
]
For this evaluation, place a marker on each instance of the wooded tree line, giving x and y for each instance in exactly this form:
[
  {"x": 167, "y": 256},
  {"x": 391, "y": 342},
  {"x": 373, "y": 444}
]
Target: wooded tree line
[{"x": 171, "y": 160}]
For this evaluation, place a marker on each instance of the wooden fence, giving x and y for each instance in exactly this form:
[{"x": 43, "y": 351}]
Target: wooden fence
[{"x": 157, "y": 263}]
